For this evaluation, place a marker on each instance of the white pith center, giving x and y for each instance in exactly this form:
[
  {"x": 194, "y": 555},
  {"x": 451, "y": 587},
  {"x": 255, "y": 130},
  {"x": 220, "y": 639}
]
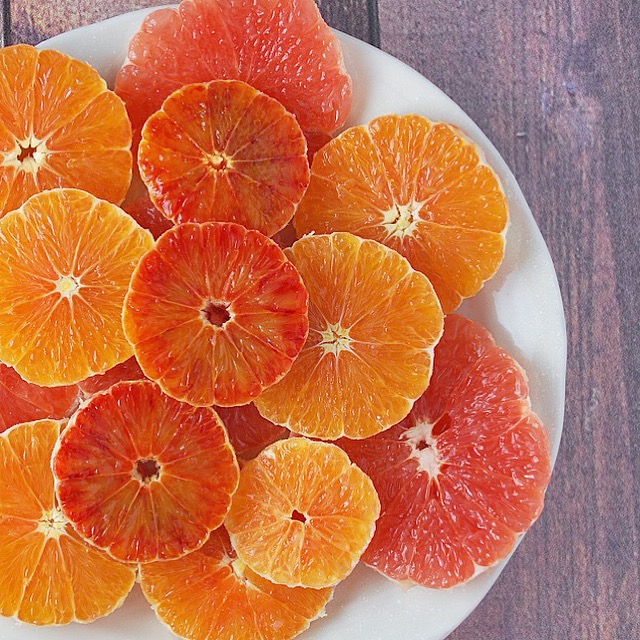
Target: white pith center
[
  {"x": 33, "y": 161},
  {"x": 238, "y": 567},
  {"x": 68, "y": 286},
  {"x": 401, "y": 220},
  {"x": 52, "y": 524},
  {"x": 425, "y": 448},
  {"x": 218, "y": 161},
  {"x": 147, "y": 471},
  {"x": 335, "y": 339}
]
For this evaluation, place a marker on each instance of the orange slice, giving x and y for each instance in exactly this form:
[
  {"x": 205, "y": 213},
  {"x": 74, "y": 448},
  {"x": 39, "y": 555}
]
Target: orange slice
[
  {"x": 143, "y": 476},
  {"x": 212, "y": 594},
  {"x": 421, "y": 188},
  {"x": 59, "y": 127},
  {"x": 465, "y": 473},
  {"x": 127, "y": 371},
  {"x": 373, "y": 324},
  {"x": 223, "y": 151},
  {"x": 216, "y": 313},
  {"x": 67, "y": 262},
  {"x": 302, "y": 514},
  {"x": 148, "y": 216},
  {"x": 49, "y": 575}
]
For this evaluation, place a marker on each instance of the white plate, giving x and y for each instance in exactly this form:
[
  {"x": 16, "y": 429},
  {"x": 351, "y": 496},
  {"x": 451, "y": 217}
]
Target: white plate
[{"x": 521, "y": 306}]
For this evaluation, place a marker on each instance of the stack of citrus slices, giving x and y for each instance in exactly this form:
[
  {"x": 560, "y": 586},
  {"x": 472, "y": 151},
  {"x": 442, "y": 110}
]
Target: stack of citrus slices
[{"x": 193, "y": 397}]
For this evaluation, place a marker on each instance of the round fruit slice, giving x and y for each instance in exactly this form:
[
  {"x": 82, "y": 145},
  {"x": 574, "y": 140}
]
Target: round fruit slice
[
  {"x": 465, "y": 473},
  {"x": 284, "y": 49},
  {"x": 21, "y": 401},
  {"x": 67, "y": 262},
  {"x": 302, "y": 514},
  {"x": 143, "y": 476},
  {"x": 216, "y": 313},
  {"x": 59, "y": 127},
  {"x": 419, "y": 187},
  {"x": 148, "y": 216},
  {"x": 49, "y": 575},
  {"x": 128, "y": 371},
  {"x": 248, "y": 431},
  {"x": 212, "y": 594},
  {"x": 373, "y": 324},
  {"x": 224, "y": 151}
]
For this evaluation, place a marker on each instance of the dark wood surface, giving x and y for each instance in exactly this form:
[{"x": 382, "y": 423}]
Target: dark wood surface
[{"x": 555, "y": 84}]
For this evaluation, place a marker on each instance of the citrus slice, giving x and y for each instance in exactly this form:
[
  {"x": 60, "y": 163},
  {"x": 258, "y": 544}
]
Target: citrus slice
[
  {"x": 216, "y": 313},
  {"x": 148, "y": 216},
  {"x": 143, "y": 476},
  {"x": 224, "y": 151},
  {"x": 67, "y": 261},
  {"x": 373, "y": 324},
  {"x": 60, "y": 126},
  {"x": 249, "y": 433},
  {"x": 21, "y": 401},
  {"x": 465, "y": 473},
  {"x": 49, "y": 575},
  {"x": 127, "y": 371},
  {"x": 303, "y": 514},
  {"x": 212, "y": 594},
  {"x": 421, "y": 188},
  {"x": 284, "y": 49}
]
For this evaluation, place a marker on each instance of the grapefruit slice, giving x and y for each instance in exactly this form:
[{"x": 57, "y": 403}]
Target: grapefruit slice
[
  {"x": 373, "y": 324},
  {"x": 142, "y": 476},
  {"x": 60, "y": 126},
  {"x": 216, "y": 313},
  {"x": 21, "y": 401},
  {"x": 303, "y": 514},
  {"x": 127, "y": 371},
  {"x": 49, "y": 575},
  {"x": 227, "y": 152},
  {"x": 464, "y": 475},
  {"x": 67, "y": 262},
  {"x": 283, "y": 48},
  {"x": 423, "y": 189},
  {"x": 212, "y": 594}
]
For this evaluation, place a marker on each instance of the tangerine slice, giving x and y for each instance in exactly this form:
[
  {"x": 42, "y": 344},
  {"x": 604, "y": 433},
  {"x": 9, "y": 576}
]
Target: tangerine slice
[
  {"x": 67, "y": 261},
  {"x": 421, "y": 188},
  {"x": 148, "y": 216},
  {"x": 127, "y": 371},
  {"x": 227, "y": 152},
  {"x": 212, "y": 594},
  {"x": 60, "y": 126},
  {"x": 49, "y": 575},
  {"x": 465, "y": 473},
  {"x": 284, "y": 49},
  {"x": 249, "y": 432},
  {"x": 216, "y": 313},
  {"x": 21, "y": 401},
  {"x": 373, "y": 324},
  {"x": 142, "y": 476},
  {"x": 303, "y": 514}
]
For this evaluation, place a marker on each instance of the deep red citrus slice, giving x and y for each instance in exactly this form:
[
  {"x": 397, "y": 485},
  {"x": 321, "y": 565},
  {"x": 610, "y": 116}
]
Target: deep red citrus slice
[
  {"x": 127, "y": 371},
  {"x": 148, "y": 216},
  {"x": 216, "y": 313},
  {"x": 465, "y": 473},
  {"x": 143, "y": 476}
]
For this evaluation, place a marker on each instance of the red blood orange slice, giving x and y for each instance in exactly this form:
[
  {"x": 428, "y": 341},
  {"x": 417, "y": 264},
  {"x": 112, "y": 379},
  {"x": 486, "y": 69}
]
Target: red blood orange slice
[
  {"x": 465, "y": 473},
  {"x": 148, "y": 216},
  {"x": 127, "y": 371},
  {"x": 143, "y": 476}
]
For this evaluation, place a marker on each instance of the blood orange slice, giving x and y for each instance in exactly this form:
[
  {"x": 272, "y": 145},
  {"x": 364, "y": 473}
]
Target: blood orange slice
[
  {"x": 465, "y": 473},
  {"x": 284, "y": 49},
  {"x": 373, "y": 324},
  {"x": 227, "y": 152},
  {"x": 302, "y": 514},
  {"x": 127, "y": 371},
  {"x": 216, "y": 313},
  {"x": 49, "y": 575},
  {"x": 148, "y": 216},
  {"x": 212, "y": 594},
  {"x": 421, "y": 188},
  {"x": 143, "y": 476},
  {"x": 67, "y": 262},
  {"x": 60, "y": 127}
]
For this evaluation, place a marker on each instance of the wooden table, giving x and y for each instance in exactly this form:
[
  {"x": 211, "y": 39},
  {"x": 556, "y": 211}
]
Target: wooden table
[{"x": 555, "y": 84}]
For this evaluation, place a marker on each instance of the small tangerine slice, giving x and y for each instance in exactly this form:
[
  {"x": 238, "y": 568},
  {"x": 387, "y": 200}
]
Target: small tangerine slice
[
  {"x": 216, "y": 313},
  {"x": 60, "y": 126},
  {"x": 67, "y": 262},
  {"x": 127, "y": 371},
  {"x": 142, "y": 476},
  {"x": 21, "y": 401},
  {"x": 224, "y": 151},
  {"x": 423, "y": 189},
  {"x": 303, "y": 514},
  {"x": 465, "y": 473},
  {"x": 148, "y": 216},
  {"x": 373, "y": 324},
  {"x": 210, "y": 593},
  {"x": 49, "y": 575}
]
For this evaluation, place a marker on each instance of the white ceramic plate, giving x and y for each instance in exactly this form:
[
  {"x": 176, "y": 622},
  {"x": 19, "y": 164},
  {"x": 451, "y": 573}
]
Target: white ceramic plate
[{"x": 521, "y": 306}]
